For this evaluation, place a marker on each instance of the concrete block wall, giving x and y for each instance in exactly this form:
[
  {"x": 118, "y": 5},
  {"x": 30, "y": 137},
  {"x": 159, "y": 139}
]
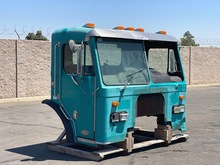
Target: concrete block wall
[
  {"x": 205, "y": 65},
  {"x": 33, "y": 64},
  {"x": 201, "y": 64},
  {"x": 25, "y": 67},
  {"x": 7, "y": 69}
]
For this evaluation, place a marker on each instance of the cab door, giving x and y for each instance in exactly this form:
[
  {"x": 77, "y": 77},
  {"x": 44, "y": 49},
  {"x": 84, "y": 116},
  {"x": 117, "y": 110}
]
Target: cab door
[{"x": 77, "y": 88}]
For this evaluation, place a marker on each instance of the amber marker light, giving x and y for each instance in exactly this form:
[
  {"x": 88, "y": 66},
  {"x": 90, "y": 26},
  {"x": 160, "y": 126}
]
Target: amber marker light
[
  {"x": 115, "y": 103},
  {"x": 119, "y": 27},
  {"x": 130, "y": 28},
  {"x": 89, "y": 25},
  {"x": 140, "y": 29},
  {"x": 181, "y": 97},
  {"x": 162, "y": 32}
]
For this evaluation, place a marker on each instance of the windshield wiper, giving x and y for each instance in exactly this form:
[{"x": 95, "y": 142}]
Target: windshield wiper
[{"x": 130, "y": 77}]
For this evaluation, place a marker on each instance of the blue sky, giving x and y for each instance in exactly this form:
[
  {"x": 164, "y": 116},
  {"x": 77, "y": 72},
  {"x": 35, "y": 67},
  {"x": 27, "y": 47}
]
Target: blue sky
[{"x": 200, "y": 17}]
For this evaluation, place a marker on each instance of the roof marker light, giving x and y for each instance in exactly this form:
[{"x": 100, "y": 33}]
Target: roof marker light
[
  {"x": 119, "y": 27},
  {"x": 140, "y": 29},
  {"x": 129, "y": 28},
  {"x": 161, "y": 32},
  {"x": 89, "y": 25}
]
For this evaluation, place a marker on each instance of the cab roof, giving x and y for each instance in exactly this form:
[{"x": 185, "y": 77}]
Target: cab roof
[
  {"x": 127, "y": 34},
  {"x": 84, "y": 33}
]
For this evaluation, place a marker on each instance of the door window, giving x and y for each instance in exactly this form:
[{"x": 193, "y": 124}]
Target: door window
[{"x": 71, "y": 64}]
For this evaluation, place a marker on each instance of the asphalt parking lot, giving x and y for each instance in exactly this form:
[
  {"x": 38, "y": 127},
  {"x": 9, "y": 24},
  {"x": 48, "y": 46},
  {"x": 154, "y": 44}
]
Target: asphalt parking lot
[{"x": 25, "y": 127}]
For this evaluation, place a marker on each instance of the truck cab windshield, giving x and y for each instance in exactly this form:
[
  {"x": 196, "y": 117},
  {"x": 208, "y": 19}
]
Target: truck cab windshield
[{"x": 122, "y": 62}]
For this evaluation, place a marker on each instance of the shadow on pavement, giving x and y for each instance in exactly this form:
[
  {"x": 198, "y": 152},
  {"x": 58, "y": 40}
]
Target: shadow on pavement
[{"x": 40, "y": 152}]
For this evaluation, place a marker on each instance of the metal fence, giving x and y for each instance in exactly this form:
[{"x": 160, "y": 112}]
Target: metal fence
[
  {"x": 208, "y": 42},
  {"x": 15, "y": 33},
  {"x": 21, "y": 33}
]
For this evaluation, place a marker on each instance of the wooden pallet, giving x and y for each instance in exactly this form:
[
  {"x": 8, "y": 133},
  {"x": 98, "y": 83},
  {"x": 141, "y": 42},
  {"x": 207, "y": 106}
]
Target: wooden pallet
[{"x": 142, "y": 140}]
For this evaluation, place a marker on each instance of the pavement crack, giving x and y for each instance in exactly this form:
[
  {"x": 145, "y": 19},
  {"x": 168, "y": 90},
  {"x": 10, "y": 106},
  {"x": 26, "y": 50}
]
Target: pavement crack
[{"x": 180, "y": 151}]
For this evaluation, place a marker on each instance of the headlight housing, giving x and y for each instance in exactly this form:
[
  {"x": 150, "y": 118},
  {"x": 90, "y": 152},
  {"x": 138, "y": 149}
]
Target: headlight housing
[
  {"x": 119, "y": 116},
  {"x": 179, "y": 109},
  {"x": 123, "y": 116}
]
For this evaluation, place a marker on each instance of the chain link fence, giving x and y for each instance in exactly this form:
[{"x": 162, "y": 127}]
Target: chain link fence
[
  {"x": 207, "y": 42},
  {"x": 21, "y": 33}
]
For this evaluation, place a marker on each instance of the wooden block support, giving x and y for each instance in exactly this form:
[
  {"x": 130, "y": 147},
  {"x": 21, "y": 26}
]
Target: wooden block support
[
  {"x": 128, "y": 143},
  {"x": 164, "y": 133}
]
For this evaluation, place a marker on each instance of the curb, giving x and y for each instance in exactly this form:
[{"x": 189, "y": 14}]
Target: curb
[
  {"x": 23, "y": 99},
  {"x": 203, "y": 85}
]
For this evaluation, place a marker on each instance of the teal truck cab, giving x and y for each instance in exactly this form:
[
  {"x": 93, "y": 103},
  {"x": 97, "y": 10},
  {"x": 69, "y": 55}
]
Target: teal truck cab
[{"x": 102, "y": 80}]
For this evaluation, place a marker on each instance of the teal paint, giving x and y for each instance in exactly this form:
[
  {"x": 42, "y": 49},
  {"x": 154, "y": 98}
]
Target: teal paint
[{"x": 88, "y": 104}]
